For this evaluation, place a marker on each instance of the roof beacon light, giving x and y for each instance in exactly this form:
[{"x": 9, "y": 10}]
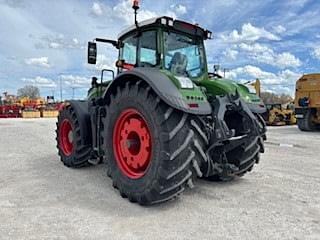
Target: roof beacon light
[{"x": 135, "y": 4}]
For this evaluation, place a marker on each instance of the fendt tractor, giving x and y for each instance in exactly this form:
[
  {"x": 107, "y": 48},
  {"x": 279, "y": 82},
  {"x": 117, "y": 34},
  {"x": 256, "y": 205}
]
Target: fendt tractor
[
  {"x": 307, "y": 102},
  {"x": 164, "y": 120}
]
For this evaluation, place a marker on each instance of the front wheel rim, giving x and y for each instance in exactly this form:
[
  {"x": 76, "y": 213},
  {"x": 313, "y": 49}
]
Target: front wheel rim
[
  {"x": 66, "y": 137},
  {"x": 132, "y": 143}
]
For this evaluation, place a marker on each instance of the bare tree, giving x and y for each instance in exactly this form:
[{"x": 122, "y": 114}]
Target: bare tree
[
  {"x": 270, "y": 98},
  {"x": 29, "y": 91}
]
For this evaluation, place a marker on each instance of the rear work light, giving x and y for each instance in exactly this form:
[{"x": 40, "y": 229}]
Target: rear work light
[
  {"x": 167, "y": 21},
  {"x": 209, "y": 34}
]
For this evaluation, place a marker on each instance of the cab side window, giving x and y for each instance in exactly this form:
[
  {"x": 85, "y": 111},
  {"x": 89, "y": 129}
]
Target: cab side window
[
  {"x": 129, "y": 51},
  {"x": 148, "y": 49}
]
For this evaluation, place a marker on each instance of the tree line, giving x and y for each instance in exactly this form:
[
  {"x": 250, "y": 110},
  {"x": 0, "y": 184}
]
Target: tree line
[{"x": 269, "y": 97}]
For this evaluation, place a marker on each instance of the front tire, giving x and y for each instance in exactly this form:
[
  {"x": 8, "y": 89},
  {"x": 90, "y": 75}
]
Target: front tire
[
  {"x": 151, "y": 148},
  {"x": 306, "y": 124},
  {"x": 69, "y": 140}
]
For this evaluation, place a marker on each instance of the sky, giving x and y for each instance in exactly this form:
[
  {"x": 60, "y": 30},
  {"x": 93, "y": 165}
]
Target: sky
[{"x": 44, "y": 43}]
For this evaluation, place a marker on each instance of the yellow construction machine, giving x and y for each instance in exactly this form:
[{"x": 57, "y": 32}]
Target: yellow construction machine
[
  {"x": 276, "y": 114},
  {"x": 307, "y": 102}
]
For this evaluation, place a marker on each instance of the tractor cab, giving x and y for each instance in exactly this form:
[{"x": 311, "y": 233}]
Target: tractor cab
[
  {"x": 170, "y": 45},
  {"x": 173, "y": 46},
  {"x": 165, "y": 49}
]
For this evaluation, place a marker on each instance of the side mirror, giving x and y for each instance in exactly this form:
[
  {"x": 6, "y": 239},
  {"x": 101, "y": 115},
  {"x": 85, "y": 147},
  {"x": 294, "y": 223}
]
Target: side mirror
[{"x": 92, "y": 53}]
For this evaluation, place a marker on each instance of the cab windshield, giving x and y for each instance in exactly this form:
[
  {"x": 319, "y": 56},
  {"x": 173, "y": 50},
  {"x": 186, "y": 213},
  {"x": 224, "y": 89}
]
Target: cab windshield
[{"x": 184, "y": 55}]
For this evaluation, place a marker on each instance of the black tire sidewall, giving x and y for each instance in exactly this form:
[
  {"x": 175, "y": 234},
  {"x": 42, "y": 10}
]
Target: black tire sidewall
[{"x": 138, "y": 103}]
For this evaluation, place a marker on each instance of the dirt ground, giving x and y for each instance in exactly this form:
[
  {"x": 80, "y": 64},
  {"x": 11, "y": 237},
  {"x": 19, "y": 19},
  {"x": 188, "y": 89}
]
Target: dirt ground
[{"x": 42, "y": 199}]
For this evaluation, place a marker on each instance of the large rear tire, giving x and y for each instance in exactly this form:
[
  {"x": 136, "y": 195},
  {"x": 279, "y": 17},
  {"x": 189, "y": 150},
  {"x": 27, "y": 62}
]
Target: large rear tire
[
  {"x": 306, "y": 124},
  {"x": 153, "y": 151},
  {"x": 69, "y": 140}
]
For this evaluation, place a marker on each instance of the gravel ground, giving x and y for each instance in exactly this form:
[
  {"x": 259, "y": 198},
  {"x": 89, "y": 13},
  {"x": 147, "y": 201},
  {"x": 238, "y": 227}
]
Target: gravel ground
[{"x": 42, "y": 199}]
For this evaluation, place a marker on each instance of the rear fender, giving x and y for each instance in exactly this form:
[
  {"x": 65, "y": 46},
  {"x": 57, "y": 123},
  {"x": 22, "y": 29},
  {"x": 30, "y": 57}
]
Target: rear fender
[
  {"x": 162, "y": 86},
  {"x": 83, "y": 116}
]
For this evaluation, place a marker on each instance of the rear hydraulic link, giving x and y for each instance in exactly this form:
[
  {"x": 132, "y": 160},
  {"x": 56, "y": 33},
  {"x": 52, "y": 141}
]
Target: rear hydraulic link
[{"x": 236, "y": 137}]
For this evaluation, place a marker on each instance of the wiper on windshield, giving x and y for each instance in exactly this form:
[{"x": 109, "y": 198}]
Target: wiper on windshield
[{"x": 184, "y": 40}]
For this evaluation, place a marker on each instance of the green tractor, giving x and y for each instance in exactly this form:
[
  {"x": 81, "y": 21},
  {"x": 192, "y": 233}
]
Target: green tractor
[{"x": 164, "y": 120}]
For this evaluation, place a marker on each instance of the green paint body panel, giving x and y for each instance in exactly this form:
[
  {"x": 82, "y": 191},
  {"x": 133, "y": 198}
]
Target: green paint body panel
[
  {"x": 213, "y": 86},
  {"x": 222, "y": 86},
  {"x": 96, "y": 92},
  {"x": 193, "y": 95}
]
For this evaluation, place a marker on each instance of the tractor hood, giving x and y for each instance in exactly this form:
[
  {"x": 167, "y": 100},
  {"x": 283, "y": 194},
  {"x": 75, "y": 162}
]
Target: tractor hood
[{"x": 222, "y": 86}]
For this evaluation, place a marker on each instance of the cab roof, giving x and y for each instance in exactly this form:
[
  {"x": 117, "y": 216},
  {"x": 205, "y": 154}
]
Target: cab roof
[{"x": 192, "y": 29}]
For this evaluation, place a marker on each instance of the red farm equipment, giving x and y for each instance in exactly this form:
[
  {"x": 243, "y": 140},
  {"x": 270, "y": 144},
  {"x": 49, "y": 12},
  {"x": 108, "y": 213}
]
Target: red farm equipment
[{"x": 10, "y": 111}]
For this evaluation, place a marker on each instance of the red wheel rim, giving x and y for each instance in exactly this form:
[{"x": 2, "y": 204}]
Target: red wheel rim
[
  {"x": 66, "y": 137},
  {"x": 132, "y": 144}
]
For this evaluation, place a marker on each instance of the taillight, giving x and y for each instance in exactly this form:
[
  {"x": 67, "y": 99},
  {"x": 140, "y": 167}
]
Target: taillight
[{"x": 193, "y": 105}]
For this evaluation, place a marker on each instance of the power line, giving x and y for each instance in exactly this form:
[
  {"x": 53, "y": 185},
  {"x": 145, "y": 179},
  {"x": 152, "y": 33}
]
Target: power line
[{"x": 278, "y": 84}]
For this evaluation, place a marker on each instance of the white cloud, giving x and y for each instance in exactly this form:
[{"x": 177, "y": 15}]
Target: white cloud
[
  {"x": 75, "y": 81},
  {"x": 249, "y": 33},
  {"x": 287, "y": 59},
  {"x": 61, "y": 42},
  {"x": 255, "y": 48},
  {"x": 54, "y": 45},
  {"x": 40, "y": 82},
  {"x": 231, "y": 54},
  {"x": 124, "y": 11},
  {"x": 279, "y": 29},
  {"x": 179, "y": 9},
  {"x": 281, "y": 82},
  {"x": 104, "y": 62},
  {"x": 252, "y": 72},
  {"x": 316, "y": 53},
  {"x": 96, "y": 9},
  {"x": 40, "y": 62},
  {"x": 75, "y": 41},
  {"x": 264, "y": 54}
]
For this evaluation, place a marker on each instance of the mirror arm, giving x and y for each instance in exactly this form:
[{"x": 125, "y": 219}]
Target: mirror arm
[{"x": 113, "y": 42}]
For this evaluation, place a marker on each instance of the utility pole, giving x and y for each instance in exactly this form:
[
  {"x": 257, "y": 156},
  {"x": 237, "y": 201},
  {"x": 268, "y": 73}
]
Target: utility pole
[
  {"x": 60, "y": 88},
  {"x": 60, "y": 78},
  {"x": 73, "y": 88},
  {"x": 224, "y": 71}
]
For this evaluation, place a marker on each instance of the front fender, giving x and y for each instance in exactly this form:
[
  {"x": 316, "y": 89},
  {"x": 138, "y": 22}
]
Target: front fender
[
  {"x": 81, "y": 110},
  {"x": 163, "y": 87}
]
